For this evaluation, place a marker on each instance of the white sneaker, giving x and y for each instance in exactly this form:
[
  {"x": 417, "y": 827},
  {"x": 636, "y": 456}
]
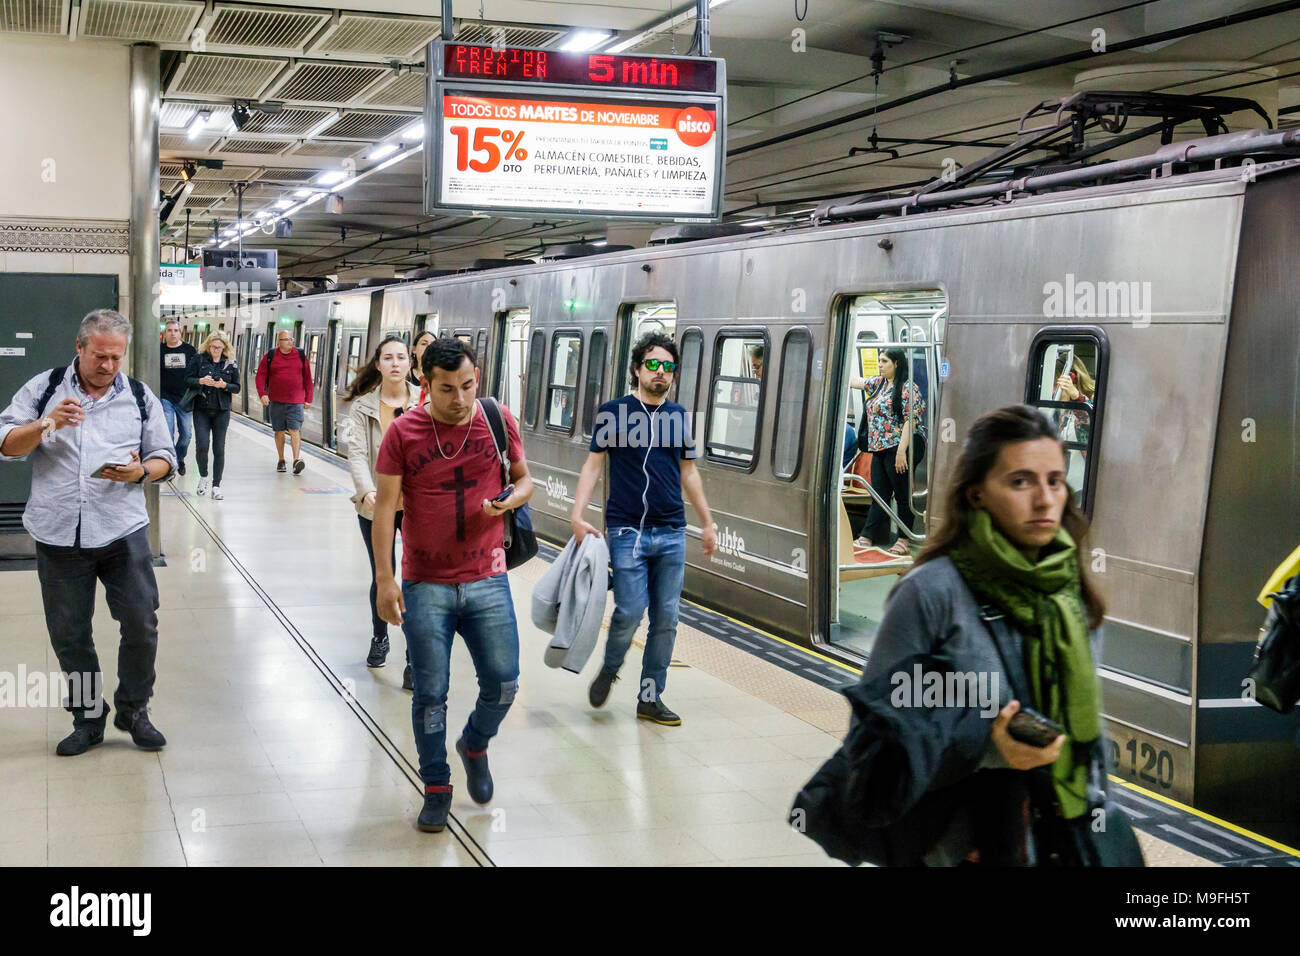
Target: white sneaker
[
  {"x": 203, "y": 486},
  {"x": 216, "y": 493}
]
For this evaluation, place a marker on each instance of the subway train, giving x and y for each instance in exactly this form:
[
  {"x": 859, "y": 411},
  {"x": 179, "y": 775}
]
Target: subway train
[{"x": 1170, "y": 294}]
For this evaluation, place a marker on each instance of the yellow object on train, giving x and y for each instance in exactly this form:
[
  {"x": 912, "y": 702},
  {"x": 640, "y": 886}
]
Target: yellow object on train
[{"x": 1285, "y": 571}]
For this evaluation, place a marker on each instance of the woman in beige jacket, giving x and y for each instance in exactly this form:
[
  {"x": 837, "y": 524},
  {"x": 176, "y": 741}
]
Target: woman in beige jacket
[{"x": 380, "y": 392}]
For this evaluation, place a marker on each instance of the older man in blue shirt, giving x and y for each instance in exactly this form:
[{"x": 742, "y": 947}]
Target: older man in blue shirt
[{"x": 94, "y": 438}]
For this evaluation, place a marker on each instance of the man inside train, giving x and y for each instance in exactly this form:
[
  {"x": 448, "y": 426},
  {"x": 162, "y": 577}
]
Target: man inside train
[
  {"x": 441, "y": 462},
  {"x": 647, "y": 440},
  {"x": 285, "y": 387}
]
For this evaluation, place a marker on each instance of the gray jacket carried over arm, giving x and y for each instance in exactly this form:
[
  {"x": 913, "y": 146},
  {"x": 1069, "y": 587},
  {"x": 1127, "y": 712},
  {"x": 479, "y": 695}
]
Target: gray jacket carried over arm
[{"x": 569, "y": 602}]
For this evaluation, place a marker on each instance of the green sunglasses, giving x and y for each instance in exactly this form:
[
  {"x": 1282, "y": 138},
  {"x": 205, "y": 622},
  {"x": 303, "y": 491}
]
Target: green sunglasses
[{"x": 653, "y": 365}]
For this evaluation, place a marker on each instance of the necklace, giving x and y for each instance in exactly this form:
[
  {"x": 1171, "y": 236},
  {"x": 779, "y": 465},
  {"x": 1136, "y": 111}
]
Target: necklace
[{"x": 438, "y": 441}]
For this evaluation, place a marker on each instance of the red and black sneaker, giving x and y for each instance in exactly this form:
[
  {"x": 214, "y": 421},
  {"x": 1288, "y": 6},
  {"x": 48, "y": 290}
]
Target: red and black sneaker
[{"x": 437, "y": 804}]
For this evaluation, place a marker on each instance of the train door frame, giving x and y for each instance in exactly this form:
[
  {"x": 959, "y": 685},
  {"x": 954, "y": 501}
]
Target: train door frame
[
  {"x": 501, "y": 340},
  {"x": 329, "y": 396},
  {"x": 824, "y": 583},
  {"x": 624, "y": 337}
]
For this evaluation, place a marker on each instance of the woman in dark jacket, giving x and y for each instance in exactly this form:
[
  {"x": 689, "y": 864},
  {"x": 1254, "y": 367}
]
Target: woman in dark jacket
[
  {"x": 1001, "y": 590},
  {"x": 216, "y": 378}
]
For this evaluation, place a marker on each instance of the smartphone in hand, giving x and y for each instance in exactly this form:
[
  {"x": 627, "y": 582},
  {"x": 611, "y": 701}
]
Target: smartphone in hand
[
  {"x": 99, "y": 472},
  {"x": 509, "y": 490},
  {"x": 1030, "y": 727}
]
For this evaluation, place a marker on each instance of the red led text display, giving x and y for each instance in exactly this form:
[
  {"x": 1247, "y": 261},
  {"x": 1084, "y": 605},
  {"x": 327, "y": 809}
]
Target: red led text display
[{"x": 465, "y": 61}]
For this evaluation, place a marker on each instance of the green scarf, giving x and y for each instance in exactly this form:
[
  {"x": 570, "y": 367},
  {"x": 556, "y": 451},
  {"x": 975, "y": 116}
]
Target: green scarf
[{"x": 1044, "y": 601}]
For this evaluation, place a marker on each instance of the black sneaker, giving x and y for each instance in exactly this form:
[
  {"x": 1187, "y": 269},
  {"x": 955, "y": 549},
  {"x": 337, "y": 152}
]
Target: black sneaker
[
  {"x": 298, "y": 466},
  {"x": 598, "y": 693},
  {"x": 378, "y": 652},
  {"x": 180, "y": 467},
  {"x": 407, "y": 683},
  {"x": 657, "y": 712},
  {"x": 281, "y": 467},
  {"x": 80, "y": 740},
  {"x": 145, "y": 735},
  {"x": 437, "y": 804},
  {"x": 478, "y": 778}
]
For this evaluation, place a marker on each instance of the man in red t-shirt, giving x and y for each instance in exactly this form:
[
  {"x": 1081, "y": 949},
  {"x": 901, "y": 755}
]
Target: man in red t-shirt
[{"x": 441, "y": 461}]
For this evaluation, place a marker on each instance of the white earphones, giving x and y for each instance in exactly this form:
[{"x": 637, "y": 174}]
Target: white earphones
[{"x": 645, "y": 470}]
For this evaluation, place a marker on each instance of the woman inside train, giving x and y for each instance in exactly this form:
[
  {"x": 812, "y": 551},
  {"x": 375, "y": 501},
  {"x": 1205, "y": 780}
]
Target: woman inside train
[
  {"x": 380, "y": 393},
  {"x": 1001, "y": 590},
  {"x": 1076, "y": 385},
  {"x": 894, "y": 416},
  {"x": 213, "y": 375},
  {"x": 417, "y": 352}
]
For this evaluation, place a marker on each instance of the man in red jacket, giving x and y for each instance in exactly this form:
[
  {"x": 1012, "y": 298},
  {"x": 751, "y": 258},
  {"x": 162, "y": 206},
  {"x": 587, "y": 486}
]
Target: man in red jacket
[{"x": 284, "y": 384}]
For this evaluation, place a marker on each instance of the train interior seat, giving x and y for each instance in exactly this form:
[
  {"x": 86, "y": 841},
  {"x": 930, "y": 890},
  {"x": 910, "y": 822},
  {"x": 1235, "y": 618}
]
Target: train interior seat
[{"x": 857, "y": 564}]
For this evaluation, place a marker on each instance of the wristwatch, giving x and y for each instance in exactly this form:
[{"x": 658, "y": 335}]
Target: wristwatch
[{"x": 143, "y": 478}]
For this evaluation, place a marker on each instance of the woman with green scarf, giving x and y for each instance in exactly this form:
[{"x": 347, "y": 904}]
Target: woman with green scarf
[{"x": 1000, "y": 590}]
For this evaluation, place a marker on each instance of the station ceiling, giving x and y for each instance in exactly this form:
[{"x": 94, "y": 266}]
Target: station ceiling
[{"x": 801, "y": 91}]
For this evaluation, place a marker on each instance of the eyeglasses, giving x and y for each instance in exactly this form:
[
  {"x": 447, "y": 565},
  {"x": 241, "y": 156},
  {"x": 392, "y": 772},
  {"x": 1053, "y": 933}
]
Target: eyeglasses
[{"x": 654, "y": 364}]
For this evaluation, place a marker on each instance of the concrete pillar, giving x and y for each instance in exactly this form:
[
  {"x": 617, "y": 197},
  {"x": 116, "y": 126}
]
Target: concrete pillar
[{"x": 145, "y": 107}]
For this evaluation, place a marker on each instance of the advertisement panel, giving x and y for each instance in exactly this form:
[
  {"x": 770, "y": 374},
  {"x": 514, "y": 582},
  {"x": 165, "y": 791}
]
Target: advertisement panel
[{"x": 654, "y": 148}]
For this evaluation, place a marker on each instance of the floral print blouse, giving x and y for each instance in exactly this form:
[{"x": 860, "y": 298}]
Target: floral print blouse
[{"x": 883, "y": 429}]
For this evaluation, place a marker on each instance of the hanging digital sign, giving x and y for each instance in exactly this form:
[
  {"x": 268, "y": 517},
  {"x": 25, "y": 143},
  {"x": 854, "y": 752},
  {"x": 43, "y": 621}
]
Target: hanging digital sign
[{"x": 519, "y": 132}]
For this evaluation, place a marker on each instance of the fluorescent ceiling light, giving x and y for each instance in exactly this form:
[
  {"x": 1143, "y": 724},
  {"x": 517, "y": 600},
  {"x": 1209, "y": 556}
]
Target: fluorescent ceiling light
[
  {"x": 331, "y": 177},
  {"x": 261, "y": 214},
  {"x": 200, "y": 120},
  {"x": 316, "y": 197},
  {"x": 283, "y": 203},
  {"x": 382, "y": 150},
  {"x": 584, "y": 40},
  {"x": 717, "y": 3},
  {"x": 630, "y": 41},
  {"x": 302, "y": 193},
  {"x": 414, "y": 131}
]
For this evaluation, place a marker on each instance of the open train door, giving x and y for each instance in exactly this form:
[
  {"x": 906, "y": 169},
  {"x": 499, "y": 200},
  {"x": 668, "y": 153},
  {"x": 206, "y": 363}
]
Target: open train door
[{"x": 867, "y": 511}]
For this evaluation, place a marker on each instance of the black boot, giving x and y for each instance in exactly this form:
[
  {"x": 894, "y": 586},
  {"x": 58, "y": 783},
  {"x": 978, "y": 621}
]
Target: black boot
[
  {"x": 437, "y": 804},
  {"x": 82, "y": 738},
  {"x": 136, "y": 722},
  {"x": 477, "y": 775}
]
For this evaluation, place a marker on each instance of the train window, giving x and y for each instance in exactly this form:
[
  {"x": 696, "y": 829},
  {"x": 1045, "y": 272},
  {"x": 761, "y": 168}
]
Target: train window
[
  {"x": 787, "y": 432},
  {"x": 912, "y": 316},
  {"x": 537, "y": 355},
  {"x": 688, "y": 376},
  {"x": 465, "y": 335},
  {"x": 354, "y": 359},
  {"x": 1067, "y": 376},
  {"x": 314, "y": 356},
  {"x": 562, "y": 395},
  {"x": 595, "y": 379},
  {"x": 653, "y": 317},
  {"x": 735, "y": 404},
  {"x": 480, "y": 349},
  {"x": 406, "y": 338},
  {"x": 514, "y": 359}
]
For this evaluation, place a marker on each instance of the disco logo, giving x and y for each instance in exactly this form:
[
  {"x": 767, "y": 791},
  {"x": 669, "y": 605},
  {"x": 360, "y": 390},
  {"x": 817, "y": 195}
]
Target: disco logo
[{"x": 694, "y": 126}]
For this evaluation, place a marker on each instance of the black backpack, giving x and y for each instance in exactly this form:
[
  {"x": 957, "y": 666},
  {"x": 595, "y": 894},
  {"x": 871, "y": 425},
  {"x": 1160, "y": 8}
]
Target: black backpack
[{"x": 56, "y": 376}]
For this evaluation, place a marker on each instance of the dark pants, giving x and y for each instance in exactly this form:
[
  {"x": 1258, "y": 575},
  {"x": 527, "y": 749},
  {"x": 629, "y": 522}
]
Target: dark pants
[
  {"x": 209, "y": 423},
  {"x": 378, "y": 623},
  {"x": 67, "y": 577},
  {"x": 889, "y": 484}
]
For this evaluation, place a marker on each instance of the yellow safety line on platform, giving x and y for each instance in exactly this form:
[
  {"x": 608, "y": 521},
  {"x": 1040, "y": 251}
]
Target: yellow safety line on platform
[
  {"x": 1206, "y": 816},
  {"x": 790, "y": 644}
]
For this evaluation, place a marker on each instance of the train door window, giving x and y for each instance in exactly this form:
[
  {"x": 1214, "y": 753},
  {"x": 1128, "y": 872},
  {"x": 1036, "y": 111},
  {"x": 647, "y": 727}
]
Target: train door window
[
  {"x": 791, "y": 397},
  {"x": 536, "y": 355},
  {"x": 638, "y": 318},
  {"x": 406, "y": 338},
  {"x": 562, "y": 393},
  {"x": 596, "y": 363},
  {"x": 314, "y": 356},
  {"x": 297, "y": 334},
  {"x": 736, "y": 394},
  {"x": 428, "y": 321},
  {"x": 514, "y": 360},
  {"x": 465, "y": 335},
  {"x": 1067, "y": 375},
  {"x": 688, "y": 376},
  {"x": 480, "y": 349},
  {"x": 354, "y": 359}
]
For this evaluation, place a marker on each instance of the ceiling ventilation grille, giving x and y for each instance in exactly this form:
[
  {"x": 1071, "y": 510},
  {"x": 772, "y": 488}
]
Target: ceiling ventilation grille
[
  {"x": 181, "y": 143},
  {"x": 336, "y": 150},
  {"x": 202, "y": 202},
  {"x": 477, "y": 31},
  {"x": 289, "y": 122},
  {"x": 290, "y": 175},
  {"x": 233, "y": 76},
  {"x": 157, "y": 21},
  {"x": 378, "y": 36},
  {"x": 268, "y": 146},
  {"x": 34, "y": 16},
  {"x": 406, "y": 90},
  {"x": 226, "y": 174},
  {"x": 368, "y": 125},
  {"x": 327, "y": 83},
  {"x": 267, "y": 29}
]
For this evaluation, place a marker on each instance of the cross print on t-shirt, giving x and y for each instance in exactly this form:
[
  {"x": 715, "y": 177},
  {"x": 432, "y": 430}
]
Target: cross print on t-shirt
[{"x": 460, "y": 486}]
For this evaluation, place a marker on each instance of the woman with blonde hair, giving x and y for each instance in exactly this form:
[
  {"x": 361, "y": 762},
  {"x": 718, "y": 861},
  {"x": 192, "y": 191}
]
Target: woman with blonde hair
[{"x": 212, "y": 377}]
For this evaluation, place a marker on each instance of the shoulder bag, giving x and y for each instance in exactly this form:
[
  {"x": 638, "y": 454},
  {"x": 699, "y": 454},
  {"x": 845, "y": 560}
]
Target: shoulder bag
[{"x": 520, "y": 541}]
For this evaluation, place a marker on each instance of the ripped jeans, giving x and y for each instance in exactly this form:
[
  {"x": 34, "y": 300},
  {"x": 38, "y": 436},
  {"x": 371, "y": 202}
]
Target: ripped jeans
[{"x": 484, "y": 614}]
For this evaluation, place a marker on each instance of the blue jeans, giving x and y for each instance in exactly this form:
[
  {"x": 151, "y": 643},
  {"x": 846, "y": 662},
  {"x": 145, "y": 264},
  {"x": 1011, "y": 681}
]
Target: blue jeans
[
  {"x": 485, "y": 617},
  {"x": 179, "y": 425},
  {"x": 646, "y": 575}
]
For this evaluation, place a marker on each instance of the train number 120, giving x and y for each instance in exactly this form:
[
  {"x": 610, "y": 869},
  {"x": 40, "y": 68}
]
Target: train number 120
[{"x": 1161, "y": 761}]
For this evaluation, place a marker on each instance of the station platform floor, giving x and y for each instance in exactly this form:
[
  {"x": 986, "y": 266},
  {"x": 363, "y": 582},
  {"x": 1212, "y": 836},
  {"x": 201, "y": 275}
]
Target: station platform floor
[{"x": 285, "y": 749}]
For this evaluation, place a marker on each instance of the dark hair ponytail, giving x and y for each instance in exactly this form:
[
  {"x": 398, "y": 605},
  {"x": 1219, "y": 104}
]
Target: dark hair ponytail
[
  {"x": 899, "y": 358},
  {"x": 368, "y": 376},
  {"x": 984, "y": 442}
]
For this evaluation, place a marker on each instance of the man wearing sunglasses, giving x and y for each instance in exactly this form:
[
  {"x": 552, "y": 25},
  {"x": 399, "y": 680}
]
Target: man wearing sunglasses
[{"x": 651, "y": 463}]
